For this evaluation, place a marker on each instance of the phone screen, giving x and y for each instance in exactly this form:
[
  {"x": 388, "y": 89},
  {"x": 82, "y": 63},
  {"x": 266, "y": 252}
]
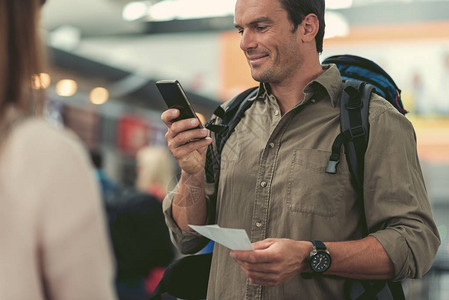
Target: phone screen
[{"x": 175, "y": 97}]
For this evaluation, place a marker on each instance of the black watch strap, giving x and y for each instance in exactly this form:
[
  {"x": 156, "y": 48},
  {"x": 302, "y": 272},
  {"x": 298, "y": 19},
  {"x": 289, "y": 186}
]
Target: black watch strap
[{"x": 319, "y": 245}]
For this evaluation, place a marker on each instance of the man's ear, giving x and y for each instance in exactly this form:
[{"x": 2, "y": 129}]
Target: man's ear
[{"x": 309, "y": 26}]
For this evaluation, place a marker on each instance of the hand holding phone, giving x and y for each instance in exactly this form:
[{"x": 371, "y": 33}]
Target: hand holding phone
[
  {"x": 190, "y": 149},
  {"x": 175, "y": 97}
]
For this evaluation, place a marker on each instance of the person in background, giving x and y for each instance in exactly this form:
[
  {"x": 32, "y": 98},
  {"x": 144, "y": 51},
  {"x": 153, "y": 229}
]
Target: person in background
[
  {"x": 137, "y": 229},
  {"x": 155, "y": 176},
  {"x": 53, "y": 236},
  {"x": 307, "y": 226},
  {"x": 155, "y": 171}
]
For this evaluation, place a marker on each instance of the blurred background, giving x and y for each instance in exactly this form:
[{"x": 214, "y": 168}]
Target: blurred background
[{"x": 104, "y": 57}]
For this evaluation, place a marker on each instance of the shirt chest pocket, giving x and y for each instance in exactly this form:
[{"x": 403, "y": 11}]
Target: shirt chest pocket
[{"x": 310, "y": 189}]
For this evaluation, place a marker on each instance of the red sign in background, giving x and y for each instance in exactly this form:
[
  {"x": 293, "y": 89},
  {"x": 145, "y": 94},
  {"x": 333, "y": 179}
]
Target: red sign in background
[{"x": 132, "y": 133}]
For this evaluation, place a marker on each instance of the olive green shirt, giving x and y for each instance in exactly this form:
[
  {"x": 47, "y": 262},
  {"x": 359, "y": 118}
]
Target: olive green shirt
[{"x": 273, "y": 184}]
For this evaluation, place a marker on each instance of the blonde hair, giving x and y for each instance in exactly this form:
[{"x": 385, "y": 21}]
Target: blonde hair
[
  {"x": 155, "y": 167},
  {"x": 20, "y": 60}
]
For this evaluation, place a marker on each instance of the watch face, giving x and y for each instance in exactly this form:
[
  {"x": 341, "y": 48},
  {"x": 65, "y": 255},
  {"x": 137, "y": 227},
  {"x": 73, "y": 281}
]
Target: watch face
[{"x": 320, "y": 262}]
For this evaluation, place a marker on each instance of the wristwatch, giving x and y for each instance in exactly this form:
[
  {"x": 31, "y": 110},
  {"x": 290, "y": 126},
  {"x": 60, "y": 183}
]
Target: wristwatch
[{"x": 319, "y": 258}]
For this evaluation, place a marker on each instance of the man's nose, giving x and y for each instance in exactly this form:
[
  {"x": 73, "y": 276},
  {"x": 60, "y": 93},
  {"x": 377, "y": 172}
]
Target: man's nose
[{"x": 247, "y": 41}]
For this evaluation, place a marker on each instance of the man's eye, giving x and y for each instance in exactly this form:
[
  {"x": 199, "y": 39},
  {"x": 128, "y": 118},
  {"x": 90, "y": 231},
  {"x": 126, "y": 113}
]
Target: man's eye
[
  {"x": 261, "y": 28},
  {"x": 240, "y": 31}
]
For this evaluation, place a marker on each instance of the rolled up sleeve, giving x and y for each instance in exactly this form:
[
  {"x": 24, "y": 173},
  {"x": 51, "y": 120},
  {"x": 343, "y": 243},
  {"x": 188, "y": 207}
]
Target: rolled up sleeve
[{"x": 397, "y": 207}]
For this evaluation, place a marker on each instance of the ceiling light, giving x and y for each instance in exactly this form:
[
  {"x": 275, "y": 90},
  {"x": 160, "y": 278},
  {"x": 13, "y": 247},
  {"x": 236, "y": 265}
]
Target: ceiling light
[
  {"x": 135, "y": 10},
  {"x": 66, "y": 87},
  {"x": 163, "y": 11},
  {"x": 41, "y": 81},
  {"x": 99, "y": 95}
]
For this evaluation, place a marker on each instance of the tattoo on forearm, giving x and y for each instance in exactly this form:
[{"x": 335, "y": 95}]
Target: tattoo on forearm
[{"x": 190, "y": 197}]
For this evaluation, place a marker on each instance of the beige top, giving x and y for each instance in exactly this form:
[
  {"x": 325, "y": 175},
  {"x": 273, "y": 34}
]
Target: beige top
[
  {"x": 273, "y": 184},
  {"x": 53, "y": 238}
]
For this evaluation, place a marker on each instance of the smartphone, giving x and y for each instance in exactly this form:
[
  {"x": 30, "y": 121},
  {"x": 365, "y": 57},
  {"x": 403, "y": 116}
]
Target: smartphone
[{"x": 175, "y": 97}]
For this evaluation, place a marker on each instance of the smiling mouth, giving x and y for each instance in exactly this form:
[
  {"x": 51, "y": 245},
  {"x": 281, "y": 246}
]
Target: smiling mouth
[{"x": 256, "y": 59}]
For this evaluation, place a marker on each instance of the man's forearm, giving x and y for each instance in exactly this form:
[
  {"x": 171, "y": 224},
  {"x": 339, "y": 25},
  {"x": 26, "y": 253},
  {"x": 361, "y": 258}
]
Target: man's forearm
[
  {"x": 189, "y": 203},
  {"x": 362, "y": 259}
]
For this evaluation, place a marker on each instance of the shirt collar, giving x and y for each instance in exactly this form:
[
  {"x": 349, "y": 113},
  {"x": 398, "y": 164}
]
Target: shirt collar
[
  {"x": 264, "y": 91},
  {"x": 329, "y": 81}
]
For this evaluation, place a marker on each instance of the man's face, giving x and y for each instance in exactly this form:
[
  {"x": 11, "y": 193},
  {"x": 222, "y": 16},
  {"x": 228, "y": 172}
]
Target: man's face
[{"x": 270, "y": 46}]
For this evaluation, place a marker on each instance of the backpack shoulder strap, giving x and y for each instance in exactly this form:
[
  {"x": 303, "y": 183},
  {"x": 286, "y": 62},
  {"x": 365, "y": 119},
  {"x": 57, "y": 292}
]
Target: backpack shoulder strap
[
  {"x": 233, "y": 114},
  {"x": 354, "y": 125},
  {"x": 227, "y": 114},
  {"x": 229, "y": 117}
]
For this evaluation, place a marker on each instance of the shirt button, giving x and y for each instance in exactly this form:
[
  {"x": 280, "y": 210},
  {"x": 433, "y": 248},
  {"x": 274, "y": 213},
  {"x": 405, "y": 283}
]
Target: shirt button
[
  {"x": 276, "y": 112},
  {"x": 271, "y": 145},
  {"x": 263, "y": 184},
  {"x": 258, "y": 224}
]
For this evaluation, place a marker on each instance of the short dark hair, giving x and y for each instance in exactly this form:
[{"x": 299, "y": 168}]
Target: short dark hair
[{"x": 298, "y": 9}]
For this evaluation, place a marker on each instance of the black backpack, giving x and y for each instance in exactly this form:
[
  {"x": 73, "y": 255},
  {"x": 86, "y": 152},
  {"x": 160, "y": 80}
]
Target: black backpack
[{"x": 361, "y": 78}]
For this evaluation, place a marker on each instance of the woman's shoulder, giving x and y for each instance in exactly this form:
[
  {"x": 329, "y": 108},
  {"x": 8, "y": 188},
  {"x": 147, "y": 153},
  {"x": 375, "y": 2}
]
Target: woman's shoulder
[
  {"x": 38, "y": 133},
  {"x": 41, "y": 130},
  {"x": 35, "y": 141}
]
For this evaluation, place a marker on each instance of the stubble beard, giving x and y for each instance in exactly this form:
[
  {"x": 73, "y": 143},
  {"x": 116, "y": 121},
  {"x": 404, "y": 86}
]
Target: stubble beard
[
  {"x": 274, "y": 72},
  {"x": 267, "y": 74},
  {"x": 264, "y": 76}
]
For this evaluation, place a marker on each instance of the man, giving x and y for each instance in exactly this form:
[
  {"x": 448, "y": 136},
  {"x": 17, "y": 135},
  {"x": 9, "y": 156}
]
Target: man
[{"x": 272, "y": 180}]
